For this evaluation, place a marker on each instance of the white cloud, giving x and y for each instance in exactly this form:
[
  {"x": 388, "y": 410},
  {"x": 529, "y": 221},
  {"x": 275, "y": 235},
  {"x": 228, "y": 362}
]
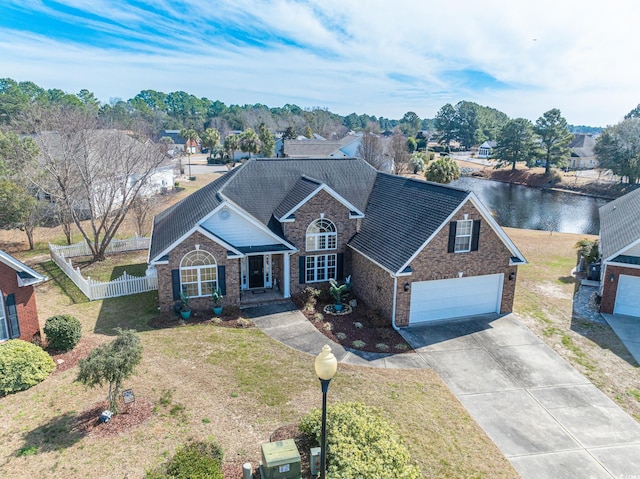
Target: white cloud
[{"x": 349, "y": 56}]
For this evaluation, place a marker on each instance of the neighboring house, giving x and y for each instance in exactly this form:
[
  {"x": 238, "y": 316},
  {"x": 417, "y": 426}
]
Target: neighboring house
[
  {"x": 346, "y": 147},
  {"x": 583, "y": 156},
  {"x": 99, "y": 146},
  {"x": 18, "y": 313},
  {"x": 416, "y": 251},
  {"x": 484, "y": 151},
  {"x": 180, "y": 143},
  {"x": 620, "y": 251}
]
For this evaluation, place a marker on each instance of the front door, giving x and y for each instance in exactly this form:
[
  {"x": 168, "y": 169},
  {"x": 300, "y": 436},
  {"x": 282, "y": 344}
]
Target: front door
[{"x": 256, "y": 271}]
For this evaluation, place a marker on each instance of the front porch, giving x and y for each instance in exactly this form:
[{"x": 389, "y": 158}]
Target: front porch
[
  {"x": 262, "y": 278},
  {"x": 253, "y": 297}
]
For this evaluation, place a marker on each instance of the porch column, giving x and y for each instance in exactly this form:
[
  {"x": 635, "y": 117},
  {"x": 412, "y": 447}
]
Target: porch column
[{"x": 286, "y": 276}]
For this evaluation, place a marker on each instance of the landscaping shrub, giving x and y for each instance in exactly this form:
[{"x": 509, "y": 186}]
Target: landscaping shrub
[
  {"x": 361, "y": 443},
  {"x": 63, "y": 332},
  {"x": 195, "y": 460},
  {"x": 22, "y": 365}
]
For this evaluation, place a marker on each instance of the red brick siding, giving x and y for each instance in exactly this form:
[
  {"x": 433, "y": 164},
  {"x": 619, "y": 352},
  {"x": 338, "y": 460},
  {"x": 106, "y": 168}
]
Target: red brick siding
[
  {"x": 610, "y": 288},
  {"x": 372, "y": 284},
  {"x": 25, "y": 302},
  {"x": 433, "y": 263},
  {"x": 232, "y": 267},
  {"x": 296, "y": 232}
]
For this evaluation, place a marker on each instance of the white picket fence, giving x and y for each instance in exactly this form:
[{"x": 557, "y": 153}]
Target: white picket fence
[{"x": 92, "y": 289}]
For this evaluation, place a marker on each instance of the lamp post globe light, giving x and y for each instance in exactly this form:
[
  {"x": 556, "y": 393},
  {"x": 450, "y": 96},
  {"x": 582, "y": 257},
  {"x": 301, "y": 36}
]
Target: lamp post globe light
[{"x": 326, "y": 366}]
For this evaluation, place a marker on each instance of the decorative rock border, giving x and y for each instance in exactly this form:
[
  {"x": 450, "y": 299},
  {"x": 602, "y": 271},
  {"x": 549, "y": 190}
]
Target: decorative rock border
[{"x": 346, "y": 309}]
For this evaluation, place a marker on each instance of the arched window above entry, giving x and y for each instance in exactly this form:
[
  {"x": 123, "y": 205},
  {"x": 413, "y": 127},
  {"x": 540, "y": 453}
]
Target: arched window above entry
[
  {"x": 198, "y": 273},
  {"x": 322, "y": 235}
]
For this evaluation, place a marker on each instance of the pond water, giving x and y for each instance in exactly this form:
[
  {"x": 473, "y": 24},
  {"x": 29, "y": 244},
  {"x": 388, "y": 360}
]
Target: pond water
[{"x": 518, "y": 206}]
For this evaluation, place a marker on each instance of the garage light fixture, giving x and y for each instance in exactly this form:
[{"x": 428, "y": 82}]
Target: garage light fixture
[
  {"x": 407, "y": 286},
  {"x": 512, "y": 276},
  {"x": 611, "y": 278}
]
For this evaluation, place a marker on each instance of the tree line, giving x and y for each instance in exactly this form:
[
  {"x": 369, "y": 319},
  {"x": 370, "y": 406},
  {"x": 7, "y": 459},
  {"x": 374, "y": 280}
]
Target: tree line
[{"x": 66, "y": 147}]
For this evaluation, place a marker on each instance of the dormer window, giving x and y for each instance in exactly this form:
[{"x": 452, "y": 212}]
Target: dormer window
[{"x": 322, "y": 235}]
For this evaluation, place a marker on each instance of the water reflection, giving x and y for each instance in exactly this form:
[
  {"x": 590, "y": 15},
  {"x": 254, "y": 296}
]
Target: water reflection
[{"x": 531, "y": 208}]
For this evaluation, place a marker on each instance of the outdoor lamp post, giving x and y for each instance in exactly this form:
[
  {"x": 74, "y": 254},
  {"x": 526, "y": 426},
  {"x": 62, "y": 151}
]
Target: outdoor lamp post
[{"x": 326, "y": 366}]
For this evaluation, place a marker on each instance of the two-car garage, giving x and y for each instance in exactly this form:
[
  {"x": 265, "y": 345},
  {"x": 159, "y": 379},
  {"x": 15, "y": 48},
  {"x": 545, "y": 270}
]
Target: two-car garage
[{"x": 455, "y": 297}]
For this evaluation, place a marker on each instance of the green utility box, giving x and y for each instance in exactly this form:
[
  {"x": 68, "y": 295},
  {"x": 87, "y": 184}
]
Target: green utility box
[{"x": 280, "y": 460}]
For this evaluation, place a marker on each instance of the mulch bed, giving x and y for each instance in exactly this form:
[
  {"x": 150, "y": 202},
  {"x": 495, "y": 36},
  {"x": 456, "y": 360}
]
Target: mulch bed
[
  {"x": 69, "y": 359},
  {"x": 130, "y": 415},
  {"x": 362, "y": 325},
  {"x": 231, "y": 318}
]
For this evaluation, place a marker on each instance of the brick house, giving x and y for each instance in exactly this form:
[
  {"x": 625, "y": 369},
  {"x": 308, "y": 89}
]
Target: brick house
[
  {"x": 417, "y": 251},
  {"x": 18, "y": 313},
  {"x": 620, "y": 255}
]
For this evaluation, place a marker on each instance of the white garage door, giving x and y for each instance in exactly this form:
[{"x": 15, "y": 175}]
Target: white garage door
[
  {"x": 454, "y": 298},
  {"x": 628, "y": 296}
]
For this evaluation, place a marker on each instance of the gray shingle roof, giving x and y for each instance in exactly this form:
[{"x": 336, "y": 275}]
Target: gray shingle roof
[
  {"x": 401, "y": 215},
  {"x": 310, "y": 148},
  {"x": 176, "y": 220},
  {"x": 259, "y": 187},
  {"x": 619, "y": 223},
  {"x": 265, "y": 183},
  {"x": 303, "y": 188},
  {"x": 582, "y": 145}
]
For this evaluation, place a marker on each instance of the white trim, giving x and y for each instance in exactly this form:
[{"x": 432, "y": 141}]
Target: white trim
[
  {"x": 241, "y": 212},
  {"x": 286, "y": 275},
  {"x": 330, "y": 191},
  {"x": 19, "y": 266},
  {"x": 622, "y": 265},
  {"x": 194, "y": 229},
  {"x": 487, "y": 217},
  {"x": 375, "y": 262},
  {"x": 395, "y": 299},
  {"x": 621, "y": 251}
]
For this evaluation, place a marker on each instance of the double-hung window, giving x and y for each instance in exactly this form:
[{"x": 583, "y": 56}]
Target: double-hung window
[
  {"x": 198, "y": 273},
  {"x": 321, "y": 236},
  {"x": 464, "y": 230},
  {"x": 320, "y": 268}
]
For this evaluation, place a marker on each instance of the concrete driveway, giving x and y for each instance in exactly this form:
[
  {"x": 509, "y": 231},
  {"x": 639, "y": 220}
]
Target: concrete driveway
[{"x": 546, "y": 418}]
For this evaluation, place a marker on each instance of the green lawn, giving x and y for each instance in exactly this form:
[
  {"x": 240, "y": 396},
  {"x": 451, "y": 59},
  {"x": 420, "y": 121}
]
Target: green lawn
[{"x": 235, "y": 385}]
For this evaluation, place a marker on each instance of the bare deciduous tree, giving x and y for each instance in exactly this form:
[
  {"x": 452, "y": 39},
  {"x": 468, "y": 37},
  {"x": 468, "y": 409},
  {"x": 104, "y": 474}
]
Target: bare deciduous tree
[
  {"x": 370, "y": 149},
  {"x": 400, "y": 153},
  {"x": 95, "y": 174}
]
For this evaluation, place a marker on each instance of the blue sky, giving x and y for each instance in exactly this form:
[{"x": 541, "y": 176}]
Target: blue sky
[{"x": 382, "y": 58}]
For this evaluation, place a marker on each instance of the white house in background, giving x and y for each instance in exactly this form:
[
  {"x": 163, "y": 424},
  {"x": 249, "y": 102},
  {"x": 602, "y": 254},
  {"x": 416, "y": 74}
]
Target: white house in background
[
  {"x": 583, "y": 156},
  {"x": 484, "y": 151}
]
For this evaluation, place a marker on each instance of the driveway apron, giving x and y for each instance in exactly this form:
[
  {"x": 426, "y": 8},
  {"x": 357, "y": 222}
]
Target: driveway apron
[{"x": 545, "y": 417}]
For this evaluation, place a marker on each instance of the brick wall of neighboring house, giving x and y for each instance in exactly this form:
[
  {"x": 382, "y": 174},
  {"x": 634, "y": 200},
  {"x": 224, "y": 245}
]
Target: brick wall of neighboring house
[
  {"x": 296, "y": 232},
  {"x": 372, "y": 284},
  {"x": 25, "y": 303},
  {"x": 610, "y": 288},
  {"x": 232, "y": 273},
  {"x": 435, "y": 263}
]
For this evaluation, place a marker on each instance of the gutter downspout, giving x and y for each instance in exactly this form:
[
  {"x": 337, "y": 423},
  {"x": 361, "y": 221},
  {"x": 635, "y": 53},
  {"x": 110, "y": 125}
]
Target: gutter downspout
[{"x": 395, "y": 296}]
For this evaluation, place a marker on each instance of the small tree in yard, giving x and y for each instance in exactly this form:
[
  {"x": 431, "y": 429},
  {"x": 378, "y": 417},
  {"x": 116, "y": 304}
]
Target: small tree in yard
[{"x": 112, "y": 363}]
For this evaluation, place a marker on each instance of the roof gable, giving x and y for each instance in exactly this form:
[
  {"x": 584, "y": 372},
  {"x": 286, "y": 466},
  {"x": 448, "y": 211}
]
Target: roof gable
[
  {"x": 395, "y": 225},
  {"x": 26, "y": 275},
  {"x": 620, "y": 224},
  {"x": 303, "y": 191}
]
